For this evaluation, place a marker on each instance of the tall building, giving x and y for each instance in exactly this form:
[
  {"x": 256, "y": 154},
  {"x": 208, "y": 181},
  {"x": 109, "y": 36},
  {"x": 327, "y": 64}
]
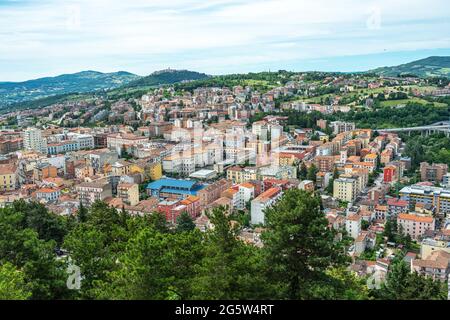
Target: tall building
[
  {"x": 89, "y": 192},
  {"x": 435, "y": 196},
  {"x": 415, "y": 225},
  {"x": 345, "y": 189},
  {"x": 340, "y": 126},
  {"x": 32, "y": 140},
  {"x": 434, "y": 172},
  {"x": 262, "y": 202},
  {"x": 129, "y": 193}
]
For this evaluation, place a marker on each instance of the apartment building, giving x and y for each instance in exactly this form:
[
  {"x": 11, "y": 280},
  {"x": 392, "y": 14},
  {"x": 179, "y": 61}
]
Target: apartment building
[
  {"x": 435, "y": 266},
  {"x": 353, "y": 225},
  {"x": 89, "y": 192},
  {"x": 240, "y": 175},
  {"x": 129, "y": 193},
  {"x": 48, "y": 194},
  {"x": 33, "y": 140},
  {"x": 118, "y": 141},
  {"x": 415, "y": 225},
  {"x": 345, "y": 189},
  {"x": 341, "y": 126},
  {"x": 262, "y": 202},
  {"x": 434, "y": 172},
  {"x": 8, "y": 177},
  {"x": 213, "y": 191},
  {"x": 435, "y": 196}
]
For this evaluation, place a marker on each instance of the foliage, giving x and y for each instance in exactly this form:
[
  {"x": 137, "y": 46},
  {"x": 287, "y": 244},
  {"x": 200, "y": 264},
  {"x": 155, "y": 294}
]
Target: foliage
[
  {"x": 12, "y": 283},
  {"x": 401, "y": 284},
  {"x": 299, "y": 246},
  {"x": 185, "y": 222}
]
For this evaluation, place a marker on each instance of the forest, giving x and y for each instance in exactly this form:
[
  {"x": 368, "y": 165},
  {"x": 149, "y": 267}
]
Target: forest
[{"x": 131, "y": 257}]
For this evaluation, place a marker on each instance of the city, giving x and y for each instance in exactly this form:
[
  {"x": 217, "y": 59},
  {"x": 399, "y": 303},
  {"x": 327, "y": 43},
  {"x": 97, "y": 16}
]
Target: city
[{"x": 236, "y": 174}]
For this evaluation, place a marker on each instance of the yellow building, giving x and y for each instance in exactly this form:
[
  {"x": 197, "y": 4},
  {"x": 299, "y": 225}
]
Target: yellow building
[
  {"x": 8, "y": 178},
  {"x": 345, "y": 189},
  {"x": 155, "y": 171},
  {"x": 240, "y": 175},
  {"x": 120, "y": 168},
  {"x": 129, "y": 193}
]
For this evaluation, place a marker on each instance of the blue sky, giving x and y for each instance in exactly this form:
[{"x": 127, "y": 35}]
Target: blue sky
[{"x": 50, "y": 37}]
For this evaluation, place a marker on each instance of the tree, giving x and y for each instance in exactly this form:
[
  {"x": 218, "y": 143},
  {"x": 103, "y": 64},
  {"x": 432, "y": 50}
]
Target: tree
[
  {"x": 390, "y": 229},
  {"x": 22, "y": 246},
  {"x": 82, "y": 213},
  {"x": 401, "y": 284},
  {"x": 185, "y": 222},
  {"x": 312, "y": 172},
  {"x": 303, "y": 171},
  {"x": 154, "y": 265},
  {"x": 230, "y": 269},
  {"x": 341, "y": 284},
  {"x": 299, "y": 247},
  {"x": 12, "y": 283}
]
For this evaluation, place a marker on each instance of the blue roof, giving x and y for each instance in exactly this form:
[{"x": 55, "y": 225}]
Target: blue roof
[
  {"x": 178, "y": 191},
  {"x": 171, "y": 183}
]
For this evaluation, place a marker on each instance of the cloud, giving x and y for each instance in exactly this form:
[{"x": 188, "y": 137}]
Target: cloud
[{"x": 54, "y": 36}]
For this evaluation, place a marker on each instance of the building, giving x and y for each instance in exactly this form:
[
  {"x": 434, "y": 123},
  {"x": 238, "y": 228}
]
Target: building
[
  {"x": 324, "y": 163},
  {"x": 340, "y": 126},
  {"x": 381, "y": 212},
  {"x": 89, "y": 192},
  {"x": 262, "y": 202},
  {"x": 436, "y": 265},
  {"x": 213, "y": 192},
  {"x": 415, "y": 225},
  {"x": 129, "y": 193},
  {"x": 307, "y": 185},
  {"x": 435, "y": 196},
  {"x": 239, "y": 175},
  {"x": 353, "y": 225},
  {"x": 63, "y": 147},
  {"x": 173, "y": 188},
  {"x": 246, "y": 193},
  {"x": 345, "y": 189},
  {"x": 396, "y": 206},
  {"x": 8, "y": 177},
  {"x": 120, "y": 168},
  {"x": 430, "y": 245},
  {"x": 433, "y": 173},
  {"x": 48, "y": 194},
  {"x": 390, "y": 174},
  {"x": 119, "y": 141},
  {"x": 32, "y": 140}
]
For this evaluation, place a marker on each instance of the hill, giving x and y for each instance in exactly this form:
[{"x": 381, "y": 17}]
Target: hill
[
  {"x": 167, "y": 76},
  {"x": 86, "y": 81},
  {"x": 428, "y": 67}
]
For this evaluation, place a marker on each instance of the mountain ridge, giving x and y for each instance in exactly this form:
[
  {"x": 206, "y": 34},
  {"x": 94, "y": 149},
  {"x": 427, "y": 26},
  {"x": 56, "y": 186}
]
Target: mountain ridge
[{"x": 433, "y": 66}]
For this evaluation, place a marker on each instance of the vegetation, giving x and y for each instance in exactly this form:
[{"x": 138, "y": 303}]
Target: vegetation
[
  {"x": 434, "y": 148},
  {"x": 131, "y": 257}
]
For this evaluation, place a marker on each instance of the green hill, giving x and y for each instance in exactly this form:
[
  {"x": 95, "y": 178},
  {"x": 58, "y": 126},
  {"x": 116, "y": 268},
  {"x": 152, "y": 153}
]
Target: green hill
[
  {"x": 86, "y": 81},
  {"x": 167, "y": 76},
  {"x": 428, "y": 67}
]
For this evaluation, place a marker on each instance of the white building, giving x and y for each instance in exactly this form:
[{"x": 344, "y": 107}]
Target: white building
[
  {"x": 353, "y": 225},
  {"x": 263, "y": 201},
  {"x": 32, "y": 140}
]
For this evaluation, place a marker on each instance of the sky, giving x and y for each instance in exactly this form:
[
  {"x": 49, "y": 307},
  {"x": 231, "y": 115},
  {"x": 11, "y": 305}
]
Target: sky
[{"x": 50, "y": 37}]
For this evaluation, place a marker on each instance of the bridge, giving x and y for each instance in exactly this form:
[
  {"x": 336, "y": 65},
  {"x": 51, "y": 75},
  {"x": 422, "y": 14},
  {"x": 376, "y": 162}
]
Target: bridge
[{"x": 442, "y": 126}]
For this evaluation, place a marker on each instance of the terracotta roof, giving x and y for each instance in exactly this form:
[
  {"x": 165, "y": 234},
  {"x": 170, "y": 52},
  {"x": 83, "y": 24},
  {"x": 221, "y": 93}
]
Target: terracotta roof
[{"x": 416, "y": 218}]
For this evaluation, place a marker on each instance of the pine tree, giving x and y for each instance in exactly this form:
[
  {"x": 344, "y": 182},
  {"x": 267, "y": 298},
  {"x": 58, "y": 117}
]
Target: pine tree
[
  {"x": 299, "y": 247},
  {"x": 185, "y": 222}
]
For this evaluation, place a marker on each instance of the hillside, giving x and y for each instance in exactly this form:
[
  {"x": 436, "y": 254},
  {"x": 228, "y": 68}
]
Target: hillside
[
  {"x": 86, "y": 81},
  {"x": 167, "y": 76},
  {"x": 428, "y": 67}
]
